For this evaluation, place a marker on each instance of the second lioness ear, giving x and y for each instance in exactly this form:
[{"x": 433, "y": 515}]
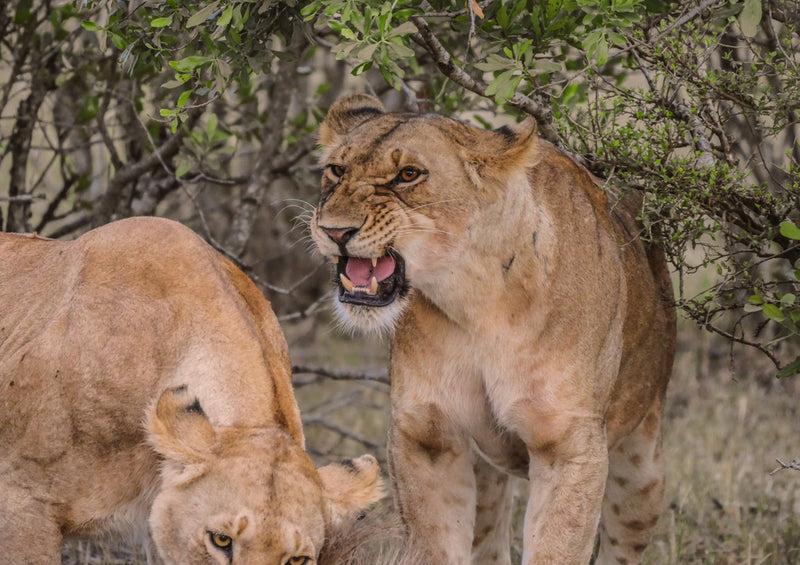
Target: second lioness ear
[
  {"x": 346, "y": 114},
  {"x": 180, "y": 432},
  {"x": 350, "y": 487}
]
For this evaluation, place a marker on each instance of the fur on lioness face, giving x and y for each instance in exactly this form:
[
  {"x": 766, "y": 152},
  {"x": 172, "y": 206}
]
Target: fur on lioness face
[
  {"x": 147, "y": 393},
  {"x": 532, "y": 332}
]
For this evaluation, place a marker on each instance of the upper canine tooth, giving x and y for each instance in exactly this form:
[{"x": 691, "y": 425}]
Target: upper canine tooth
[
  {"x": 374, "y": 261},
  {"x": 373, "y": 286},
  {"x": 346, "y": 283},
  {"x": 336, "y": 259}
]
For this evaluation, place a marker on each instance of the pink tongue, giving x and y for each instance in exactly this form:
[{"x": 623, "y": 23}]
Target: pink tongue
[{"x": 361, "y": 271}]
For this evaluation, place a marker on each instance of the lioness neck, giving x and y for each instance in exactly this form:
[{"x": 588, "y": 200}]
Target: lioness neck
[{"x": 497, "y": 268}]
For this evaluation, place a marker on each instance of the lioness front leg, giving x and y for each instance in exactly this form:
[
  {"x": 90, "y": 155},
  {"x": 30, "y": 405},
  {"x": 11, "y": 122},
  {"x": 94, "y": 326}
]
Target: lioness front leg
[
  {"x": 434, "y": 490},
  {"x": 566, "y": 492}
]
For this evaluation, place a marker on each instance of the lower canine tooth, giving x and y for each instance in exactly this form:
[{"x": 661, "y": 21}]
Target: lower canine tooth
[
  {"x": 373, "y": 286},
  {"x": 346, "y": 283}
]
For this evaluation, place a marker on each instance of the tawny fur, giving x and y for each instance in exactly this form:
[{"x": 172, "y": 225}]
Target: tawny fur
[
  {"x": 536, "y": 339},
  {"x": 146, "y": 392}
]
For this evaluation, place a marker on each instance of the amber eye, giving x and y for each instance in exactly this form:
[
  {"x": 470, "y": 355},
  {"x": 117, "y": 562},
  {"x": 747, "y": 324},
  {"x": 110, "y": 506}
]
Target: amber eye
[
  {"x": 337, "y": 170},
  {"x": 221, "y": 541},
  {"x": 298, "y": 560},
  {"x": 408, "y": 174}
]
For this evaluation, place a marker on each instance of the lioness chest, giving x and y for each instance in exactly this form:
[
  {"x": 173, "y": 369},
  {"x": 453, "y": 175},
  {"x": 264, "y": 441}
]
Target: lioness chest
[{"x": 485, "y": 385}]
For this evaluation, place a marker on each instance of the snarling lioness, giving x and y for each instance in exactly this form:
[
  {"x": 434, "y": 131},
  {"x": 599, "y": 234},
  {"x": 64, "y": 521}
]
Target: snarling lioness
[
  {"x": 146, "y": 391},
  {"x": 533, "y": 333}
]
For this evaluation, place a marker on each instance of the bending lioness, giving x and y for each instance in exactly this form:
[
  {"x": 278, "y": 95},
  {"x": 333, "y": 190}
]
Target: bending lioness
[
  {"x": 145, "y": 389},
  {"x": 533, "y": 333}
]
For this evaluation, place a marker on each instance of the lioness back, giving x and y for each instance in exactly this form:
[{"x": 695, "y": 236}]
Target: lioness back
[
  {"x": 147, "y": 392},
  {"x": 532, "y": 332}
]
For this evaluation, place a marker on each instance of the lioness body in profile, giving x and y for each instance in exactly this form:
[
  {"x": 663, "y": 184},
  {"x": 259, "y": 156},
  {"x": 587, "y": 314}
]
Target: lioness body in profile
[
  {"x": 533, "y": 333},
  {"x": 146, "y": 391}
]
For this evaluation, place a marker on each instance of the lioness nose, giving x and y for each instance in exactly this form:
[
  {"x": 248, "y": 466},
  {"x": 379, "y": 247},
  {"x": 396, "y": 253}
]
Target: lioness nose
[{"x": 340, "y": 235}]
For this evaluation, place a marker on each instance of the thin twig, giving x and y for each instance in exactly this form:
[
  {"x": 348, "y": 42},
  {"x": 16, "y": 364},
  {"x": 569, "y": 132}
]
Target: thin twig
[
  {"x": 331, "y": 374},
  {"x": 795, "y": 464}
]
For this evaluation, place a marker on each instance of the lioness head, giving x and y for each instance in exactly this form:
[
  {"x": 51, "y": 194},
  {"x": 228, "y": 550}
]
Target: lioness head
[
  {"x": 397, "y": 197},
  {"x": 245, "y": 495}
]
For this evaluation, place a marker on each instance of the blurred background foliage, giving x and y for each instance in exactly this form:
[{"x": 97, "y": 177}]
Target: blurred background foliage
[{"x": 206, "y": 112}]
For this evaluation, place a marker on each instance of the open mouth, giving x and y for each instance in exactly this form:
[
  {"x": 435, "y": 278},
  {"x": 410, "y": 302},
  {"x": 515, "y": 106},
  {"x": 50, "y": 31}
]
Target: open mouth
[{"x": 375, "y": 281}]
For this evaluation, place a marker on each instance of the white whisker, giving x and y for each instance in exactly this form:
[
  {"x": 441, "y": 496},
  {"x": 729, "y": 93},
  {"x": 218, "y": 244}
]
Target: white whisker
[{"x": 431, "y": 204}]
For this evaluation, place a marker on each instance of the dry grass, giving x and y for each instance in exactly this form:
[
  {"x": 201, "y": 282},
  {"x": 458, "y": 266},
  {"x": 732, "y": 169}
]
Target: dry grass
[{"x": 727, "y": 421}]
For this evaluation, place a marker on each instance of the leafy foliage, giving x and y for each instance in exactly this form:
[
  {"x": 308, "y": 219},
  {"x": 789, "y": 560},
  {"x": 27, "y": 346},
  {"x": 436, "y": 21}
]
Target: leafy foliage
[{"x": 147, "y": 107}]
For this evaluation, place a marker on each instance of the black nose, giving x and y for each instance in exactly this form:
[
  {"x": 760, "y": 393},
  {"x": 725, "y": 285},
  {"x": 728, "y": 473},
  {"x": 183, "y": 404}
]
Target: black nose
[{"x": 340, "y": 236}]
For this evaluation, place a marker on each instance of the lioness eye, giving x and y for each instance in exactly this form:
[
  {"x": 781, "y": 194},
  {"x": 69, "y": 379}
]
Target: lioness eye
[
  {"x": 408, "y": 174},
  {"x": 221, "y": 540},
  {"x": 297, "y": 560},
  {"x": 337, "y": 170}
]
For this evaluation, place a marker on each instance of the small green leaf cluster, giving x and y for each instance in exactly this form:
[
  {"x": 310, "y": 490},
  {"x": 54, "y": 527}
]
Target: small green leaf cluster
[
  {"x": 781, "y": 306},
  {"x": 205, "y": 47},
  {"x": 371, "y": 34},
  {"x": 206, "y": 149}
]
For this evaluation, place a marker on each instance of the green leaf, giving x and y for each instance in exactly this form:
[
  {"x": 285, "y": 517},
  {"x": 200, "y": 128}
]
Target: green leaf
[
  {"x": 755, "y": 299},
  {"x": 119, "y": 41},
  {"x": 402, "y": 29},
  {"x": 596, "y": 47},
  {"x": 791, "y": 369},
  {"x": 750, "y": 17},
  {"x": 184, "y": 97},
  {"x": 183, "y": 168},
  {"x": 495, "y": 62},
  {"x": 226, "y": 16},
  {"x": 772, "y": 312},
  {"x": 365, "y": 53},
  {"x": 545, "y": 66},
  {"x": 188, "y": 63},
  {"x": 789, "y": 230},
  {"x": 91, "y": 26},
  {"x": 202, "y": 15},
  {"x": 161, "y": 22},
  {"x": 788, "y": 299},
  {"x": 399, "y": 51},
  {"x": 211, "y": 125}
]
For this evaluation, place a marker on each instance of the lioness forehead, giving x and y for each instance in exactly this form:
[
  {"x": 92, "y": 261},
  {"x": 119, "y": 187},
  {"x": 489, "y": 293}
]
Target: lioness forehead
[{"x": 383, "y": 134}]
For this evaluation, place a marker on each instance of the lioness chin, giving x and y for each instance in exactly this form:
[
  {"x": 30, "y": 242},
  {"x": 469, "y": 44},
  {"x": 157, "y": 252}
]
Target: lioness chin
[
  {"x": 532, "y": 333},
  {"x": 146, "y": 392}
]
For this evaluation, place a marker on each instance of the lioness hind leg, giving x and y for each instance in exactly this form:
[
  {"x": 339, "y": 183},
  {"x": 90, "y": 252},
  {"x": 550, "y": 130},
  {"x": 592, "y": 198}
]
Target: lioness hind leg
[
  {"x": 491, "y": 544},
  {"x": 634, "y": 493}
]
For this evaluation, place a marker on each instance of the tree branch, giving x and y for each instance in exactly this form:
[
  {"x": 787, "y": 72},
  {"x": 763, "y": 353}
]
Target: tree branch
[
  {"x": 542, "y": 112},
  {"x": 280, "y": 98},
  {"x": 110, "y": 200}
]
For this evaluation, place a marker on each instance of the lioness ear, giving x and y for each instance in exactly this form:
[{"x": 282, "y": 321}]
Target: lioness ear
[
  {"x": 493, "y": 155},
  {"x": 350, "y": 487},
  {"x": 346, "y": 114},
  {"x": 179, "y": 430}
]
